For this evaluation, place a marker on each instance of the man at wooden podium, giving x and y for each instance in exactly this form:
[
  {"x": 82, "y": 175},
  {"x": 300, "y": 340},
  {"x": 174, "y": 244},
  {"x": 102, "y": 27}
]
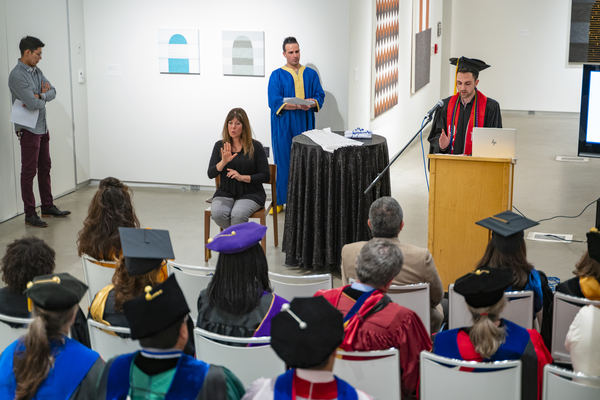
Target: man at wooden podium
[{"x": 468, "y": 108}]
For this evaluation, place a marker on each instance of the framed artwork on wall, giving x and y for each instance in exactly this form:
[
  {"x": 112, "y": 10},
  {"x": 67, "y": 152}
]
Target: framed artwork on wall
[
  {"x": 584, "y": 36},
  {"x": 244, "y": 53},
  {"x": 421, "y": 46},
  {"x": 178, "y": 51},
  {"x": 384, "y": 60}
]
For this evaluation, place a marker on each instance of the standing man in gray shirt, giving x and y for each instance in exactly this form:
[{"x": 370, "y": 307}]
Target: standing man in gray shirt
[{"x": 28, "y": 84}]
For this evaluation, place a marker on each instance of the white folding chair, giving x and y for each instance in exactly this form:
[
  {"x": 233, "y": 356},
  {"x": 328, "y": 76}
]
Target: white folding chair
[
  {"x": 192, "y": 280},
  {"x": 108, "y": 345},
  {"x": 290, "y": 286},
  {"x": 565, "y": 309},
  {"x": 96, "y": 276},
  {"x": 247, "y": 363},
  {"x": 9, "y": 334},
  {"x": 376, "y": 373},
  {"x": 414, "y": 297},
  {"x": 519, "y": 309},
  {"x": 560, "y": 384},
  {"x": 450, "y": 379}
]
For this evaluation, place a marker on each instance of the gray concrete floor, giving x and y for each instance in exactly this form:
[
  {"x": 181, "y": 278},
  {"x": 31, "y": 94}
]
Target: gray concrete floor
[{"x": 543, "y": 188}]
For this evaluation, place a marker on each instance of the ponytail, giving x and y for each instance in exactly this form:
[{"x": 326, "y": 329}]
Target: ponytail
[
  {"x": 32, "y": 365},
  {"x": 484, "y": 334}
]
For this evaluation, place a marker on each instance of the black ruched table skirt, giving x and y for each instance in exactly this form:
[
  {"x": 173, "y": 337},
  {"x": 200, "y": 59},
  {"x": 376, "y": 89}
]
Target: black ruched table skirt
[{"x": 326, "y": 207}]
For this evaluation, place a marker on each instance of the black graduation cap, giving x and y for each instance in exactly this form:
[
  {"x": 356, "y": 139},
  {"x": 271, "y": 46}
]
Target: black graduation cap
[
  {"x": 145, "y": 249},
  {"x": 469, "y": 63},
  {"x": 485, "y": 286},
  {"x": 593, "y": 242},
  {"x": 237, "y": 238},
  {"x": 507, "y": 230},
  {"x": 306, "y": 332},
  {"x": 155, "y": 311},
  {"x": 55, "y": 292}
]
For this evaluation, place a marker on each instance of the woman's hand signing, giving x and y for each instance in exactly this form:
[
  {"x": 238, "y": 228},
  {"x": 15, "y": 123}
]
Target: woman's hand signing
[
  {"x": 226, "y": 154},
  {"x": 233, "y": 174}
]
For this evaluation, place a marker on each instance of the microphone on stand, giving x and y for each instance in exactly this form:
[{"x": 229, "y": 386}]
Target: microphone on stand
[{"x": 439, "y": 104}]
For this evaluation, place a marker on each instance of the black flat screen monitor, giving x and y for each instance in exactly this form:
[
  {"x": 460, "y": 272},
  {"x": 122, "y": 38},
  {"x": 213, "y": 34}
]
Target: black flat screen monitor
[{"x": 589, "y": 119}]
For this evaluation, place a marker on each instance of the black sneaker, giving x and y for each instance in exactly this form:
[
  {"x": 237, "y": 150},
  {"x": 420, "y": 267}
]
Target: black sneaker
[
  {"x": 54, "y": 212},
  {"x": 35, "y": 220}
]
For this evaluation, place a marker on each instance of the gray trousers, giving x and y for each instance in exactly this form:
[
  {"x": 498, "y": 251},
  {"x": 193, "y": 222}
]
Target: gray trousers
[{"x": 226, "y": 211}]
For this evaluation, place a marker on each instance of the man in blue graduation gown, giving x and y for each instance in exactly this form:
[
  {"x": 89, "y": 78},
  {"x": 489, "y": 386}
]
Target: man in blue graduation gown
[{"x": 289, "y": 120}]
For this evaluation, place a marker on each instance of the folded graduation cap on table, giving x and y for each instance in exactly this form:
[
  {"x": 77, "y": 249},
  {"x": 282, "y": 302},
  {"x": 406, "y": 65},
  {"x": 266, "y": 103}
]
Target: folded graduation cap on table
[
  {"x": 145, "y": 249},
  {"x": 507, "y": 230}
]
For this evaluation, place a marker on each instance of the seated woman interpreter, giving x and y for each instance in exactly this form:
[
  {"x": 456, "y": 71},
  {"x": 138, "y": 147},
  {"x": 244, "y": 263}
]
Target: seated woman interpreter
[
  {"x": 243, "y": 167},
  {"x": 492, "y": 338},
  {"x": 239, "y": 300}
]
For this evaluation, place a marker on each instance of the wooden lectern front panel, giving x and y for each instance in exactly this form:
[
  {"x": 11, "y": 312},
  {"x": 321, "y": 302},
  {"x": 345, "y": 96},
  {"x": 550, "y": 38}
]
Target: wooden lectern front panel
[{"x": 464, "y": 190}]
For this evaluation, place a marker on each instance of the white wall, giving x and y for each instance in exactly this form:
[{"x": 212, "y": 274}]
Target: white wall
[
  {"x": 399, "y": 124},
  {"x": 528, "y": 72},
  {"x": 148, "y": 127}
]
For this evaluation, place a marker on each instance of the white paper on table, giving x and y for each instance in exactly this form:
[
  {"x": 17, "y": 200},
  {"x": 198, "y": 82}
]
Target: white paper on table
[
  {"x": 300, "y": 102},
  {"x": 24, "y": 116}
]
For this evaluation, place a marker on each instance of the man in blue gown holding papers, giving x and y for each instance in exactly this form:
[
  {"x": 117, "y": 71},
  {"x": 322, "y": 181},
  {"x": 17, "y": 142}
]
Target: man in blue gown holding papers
[{"x": 289, "y": 119}]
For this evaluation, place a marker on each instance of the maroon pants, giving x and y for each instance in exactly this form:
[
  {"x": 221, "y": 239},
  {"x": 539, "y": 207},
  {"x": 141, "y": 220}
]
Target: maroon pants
[{"x": 35, "y": 158}]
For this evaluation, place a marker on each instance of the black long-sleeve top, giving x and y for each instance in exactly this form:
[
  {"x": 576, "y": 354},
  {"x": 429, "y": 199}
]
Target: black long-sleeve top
[{"x": 257, "y": 168}]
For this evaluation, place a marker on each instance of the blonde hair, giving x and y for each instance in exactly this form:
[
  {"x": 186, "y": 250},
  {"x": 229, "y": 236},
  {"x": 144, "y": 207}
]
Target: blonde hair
[
  {"x": 31, "y": 366},
  {"x": 246, "y": 136},
  {"x": 484, "y": 334}
]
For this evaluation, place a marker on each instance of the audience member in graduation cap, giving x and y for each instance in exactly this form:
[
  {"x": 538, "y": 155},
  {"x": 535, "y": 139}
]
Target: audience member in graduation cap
[
  {"x": 306, "y": 334},
  {"x": 144, "y": 252},
  {"x": 239, "y": 300},
  {"x": 373, "y": 321},
  {"x": 468, "y": 108},
  {"x": 161, "y": 370},
  {"x": 492, "y": 338},
  {"x": 24, "y": 260},
  {"x": 45, "y": 363},
  {"x": 582, "y": 339},
  {"x": 507, "y": 250}
]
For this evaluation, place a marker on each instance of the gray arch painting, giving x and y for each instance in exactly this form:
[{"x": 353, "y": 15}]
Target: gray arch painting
[
  {"x": 242, "y": 57},
  {"x": 177, "y": 65},
  {"x": 244, "y": 53}
]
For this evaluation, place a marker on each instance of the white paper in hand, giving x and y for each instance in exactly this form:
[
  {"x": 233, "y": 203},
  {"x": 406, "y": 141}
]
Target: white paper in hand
[
  {"x": 24, "y": 116},
  {"x": 296, "y": 100}
]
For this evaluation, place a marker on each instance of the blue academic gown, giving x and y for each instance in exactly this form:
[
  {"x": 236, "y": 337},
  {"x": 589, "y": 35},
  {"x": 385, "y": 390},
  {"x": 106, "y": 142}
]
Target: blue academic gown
[{"x": 285, "y": 124}]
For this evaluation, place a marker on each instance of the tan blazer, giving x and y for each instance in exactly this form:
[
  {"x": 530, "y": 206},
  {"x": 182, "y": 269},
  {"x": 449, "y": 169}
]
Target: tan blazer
[{"x": 418, "y": 267}]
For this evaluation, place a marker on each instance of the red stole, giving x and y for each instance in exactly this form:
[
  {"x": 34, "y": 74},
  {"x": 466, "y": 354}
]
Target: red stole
[
  {"x": 352, "y": 326},
  {"x": 480, "y": 102}
]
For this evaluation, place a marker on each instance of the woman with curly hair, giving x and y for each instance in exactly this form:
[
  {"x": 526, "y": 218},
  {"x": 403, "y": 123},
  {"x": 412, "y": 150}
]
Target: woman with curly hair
[
  {"x": 24, "y": 260},
  {"x": 110, "y": 208},
  {"x": 45, "y": 363}
]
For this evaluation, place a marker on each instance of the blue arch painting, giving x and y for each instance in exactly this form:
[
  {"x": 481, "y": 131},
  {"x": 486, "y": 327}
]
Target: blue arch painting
[{"x": 178, "y": 65}]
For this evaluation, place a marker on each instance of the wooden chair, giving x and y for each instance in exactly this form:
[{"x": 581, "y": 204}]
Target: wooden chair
[{"x": 261, "y": 214}]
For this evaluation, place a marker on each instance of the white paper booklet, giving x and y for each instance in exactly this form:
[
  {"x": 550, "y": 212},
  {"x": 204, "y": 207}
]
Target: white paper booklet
[
  {"x": 24, "y": 116},
  {"x": 295, "y": 100}
]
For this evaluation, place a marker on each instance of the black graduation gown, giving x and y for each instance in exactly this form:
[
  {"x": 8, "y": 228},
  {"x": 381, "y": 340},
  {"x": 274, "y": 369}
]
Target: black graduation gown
[{"x": 492, "y": 119}]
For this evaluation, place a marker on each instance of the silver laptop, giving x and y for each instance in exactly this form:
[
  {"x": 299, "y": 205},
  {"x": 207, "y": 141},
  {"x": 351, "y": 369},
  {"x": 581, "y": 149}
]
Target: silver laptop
[{"x": 494, "y": 142}]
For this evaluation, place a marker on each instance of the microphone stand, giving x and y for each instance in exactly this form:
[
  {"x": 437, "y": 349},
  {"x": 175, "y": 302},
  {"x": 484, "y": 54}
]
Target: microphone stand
[{"x": 429, "y": 118}]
